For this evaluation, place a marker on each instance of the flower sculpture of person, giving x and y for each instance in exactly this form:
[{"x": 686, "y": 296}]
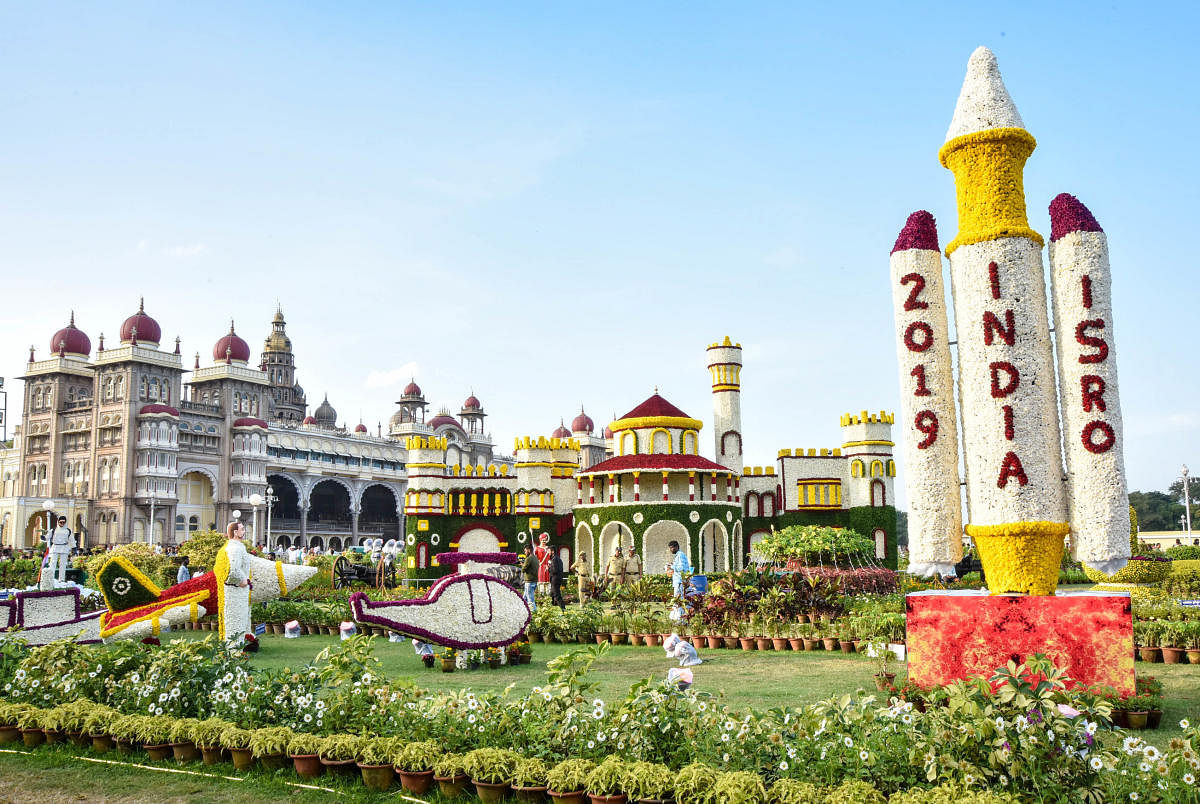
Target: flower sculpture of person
[{"x": 232, "y": 569}]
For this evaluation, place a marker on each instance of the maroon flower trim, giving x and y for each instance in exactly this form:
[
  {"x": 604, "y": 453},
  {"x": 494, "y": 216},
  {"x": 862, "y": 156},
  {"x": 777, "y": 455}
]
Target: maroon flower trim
[
  {"x": 920, "y": 231},
  {"x": 44, "y": 593},
  {"x": 1083, "y": 339},
  {"x": 927, "y": 336},
  {"x": 1110, "y": 438},
  {"x": 1012, "y": 468},
  {"x": 1068, "y": 214}
]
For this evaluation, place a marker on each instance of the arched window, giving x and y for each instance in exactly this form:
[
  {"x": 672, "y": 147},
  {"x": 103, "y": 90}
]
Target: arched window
[
  {"x": 857, "y": 469},
  {"x": 37, "y": 398},
  {"x": 120, "y": 390},
  {"x": 103, "y": 476},
  {"x": 145, "y": 386},
  {"x": 179, "y": 523},
  {"x": 891, "y": 468},
  {"x": 878, "y": 494},
  {"x": 876, "y": 468},
  {"x": 193, "y": 523},
  {"x": 422, "y": 556}
]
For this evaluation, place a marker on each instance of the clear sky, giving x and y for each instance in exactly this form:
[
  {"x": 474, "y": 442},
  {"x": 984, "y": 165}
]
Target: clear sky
[{"x": 561, "y": 203}]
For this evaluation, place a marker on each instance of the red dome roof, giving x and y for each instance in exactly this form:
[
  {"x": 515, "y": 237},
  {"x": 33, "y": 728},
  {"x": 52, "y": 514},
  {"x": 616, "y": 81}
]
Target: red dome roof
[
  {"x": 231, "y": 347},
  {"x": 249, "y": 421},
  {"x": 71, "y": 340},
  {"x": 147, "y": 328},
  {"x": 360, "y": 428},
  {"x": 608, "y": 433},
  {"x": 561, "y": 432},
  {"x": 444, "y": 419},
  {"x": 656, "y": 407},
  {"x": 582, "y": 423},
  {"x": 154, "y": 407},
  {"x": 472, "y": 403},
  {"x": 309, "y": 420},
  {"x": 412, "y": 389}
]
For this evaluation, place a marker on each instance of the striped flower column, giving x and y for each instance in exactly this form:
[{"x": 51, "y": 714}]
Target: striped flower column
[
  {"x": 1008, "y": 401},
  {"x": 1081, "y": 285},
  {"x": 927, "y": 400}
]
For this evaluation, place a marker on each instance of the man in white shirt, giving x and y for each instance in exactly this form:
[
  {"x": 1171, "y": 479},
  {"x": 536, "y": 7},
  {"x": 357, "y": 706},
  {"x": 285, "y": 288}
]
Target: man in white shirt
[{"x": 62, "y": 542}]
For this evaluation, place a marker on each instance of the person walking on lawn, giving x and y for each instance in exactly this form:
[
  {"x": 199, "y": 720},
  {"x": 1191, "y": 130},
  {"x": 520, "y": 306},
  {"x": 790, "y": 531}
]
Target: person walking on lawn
[
  {"x": 529, "y": 566},
  {"x": 616, "y": 567},
  {"x": 555, "y": 573},
  {"x": 586, "y": 584}
]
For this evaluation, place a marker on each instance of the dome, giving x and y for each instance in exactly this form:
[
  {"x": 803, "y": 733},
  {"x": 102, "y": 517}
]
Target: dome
[
  {"x": 71, "y": 340},
  {"x": 231, "y": 347},
  {"x": 154, "y": 407},
  {"x": 412, "y": 389},
  {"x": 249, "y": 421},
  {"x": 582, "y": 423},
  {"x": 360, "y": 428},
  {"x": 561, "y": 432},
  {"x": 608, "y": 433},
  {"x": 141, "y": 327},
  {"x": 442, "y": 419},
  {"x": 325, "y": 414},
  {"x": 472, "y": 403},
  {"x": 309, "y": 420},
  {"x": 298, "y": 391}
]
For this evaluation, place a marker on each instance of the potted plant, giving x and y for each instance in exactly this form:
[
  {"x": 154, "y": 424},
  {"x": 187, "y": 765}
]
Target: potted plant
[
  {"x": 1138, "y": 708},
  {"x": 124, "y": 731},
  {"x": 154, "y": 733},
  {"x": 606, "y": 783},
  {"x": 304, "y": 751},
  {"x": 794, "y": 791},
  {"x": 10, "y": 732},
  {"x": 739, "y": 787},
  {"x": 491, "y": 771},
  {"x": 414, "y": 762},
  {"x": 1174, "y": 642},
  {"x": 206, "y": 734},
  {"x": 695, "y": 783},
  {"x": 1152, "y": 688},
  {"x": 270, "y": 746},
  {"x": 779, "y": 639},
  {"x": 375, "y": 762},
  {"x": 649, "y": 782},
  {"x": 52, "y": 724},
  {"x": 828, "y": 639},
  {"x": 808, "y": 635},
  {"x": 567, "y": 781},
  {"x": 339, "y": 753},
  {"x": 795, "y": 636},
  {"x": 884, "y": 658},
  {"x": 745, "y": 636},
  {"x": 182, "y": 741},
  {"x": 1193, "y": 642},
  {"x": 493, "y": 657},
  {"x": 529, "y": 780},
  {"x": 526, "y": 651},
  {"x": 1147, "y": 634},
  {"x": 448, "y": 658},
  {"x": 616, "y": 629},
  {"x": 450, "y": 775},
  {"x": 29, "y": 721}
]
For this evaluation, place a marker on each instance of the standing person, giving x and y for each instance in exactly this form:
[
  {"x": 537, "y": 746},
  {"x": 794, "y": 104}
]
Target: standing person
[
  {"x": 584, "y": 569},
  {"x": 633, "y": 566},
  {"x": 61, "y": 541},
  {"x": 529, "y": 566},
  {"x": 184, "y": 574},
  {"x": 233, "y": 571},
  {"x": 556, "y": 573},
  {"x": 543, "y": 553},
  {"x": 678, "y": 566},
  {"x": 616, "y": 567}
]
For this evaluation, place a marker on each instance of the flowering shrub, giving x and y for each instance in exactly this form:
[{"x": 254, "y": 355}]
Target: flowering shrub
[{"x": 814, "y": 545}]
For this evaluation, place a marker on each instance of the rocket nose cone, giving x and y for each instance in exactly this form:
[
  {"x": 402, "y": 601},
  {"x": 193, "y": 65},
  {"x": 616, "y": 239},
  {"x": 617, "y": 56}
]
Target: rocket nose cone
[
  {"x": 984, "y": 101},
  {"x": 920, "y": 231},
  {"x": 296, "y": 574},
  {"x": 982, "y": 58},
  {"x": 1068, "y": 214}
]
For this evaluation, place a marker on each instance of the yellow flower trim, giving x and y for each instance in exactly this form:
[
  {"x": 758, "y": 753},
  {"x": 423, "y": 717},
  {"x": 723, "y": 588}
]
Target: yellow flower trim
[
  {"x": 279, "y": 574},
  {"x": 1020, "y": 557},
  {"x": 676, "y": 422},
  {"x": 1135, "y": 572},
  {"x": 221, "y": 571},
  {"x": 137, "y": 574},
  {"x": 191, "y": 599},
  {"x": 988, "y": 171}
]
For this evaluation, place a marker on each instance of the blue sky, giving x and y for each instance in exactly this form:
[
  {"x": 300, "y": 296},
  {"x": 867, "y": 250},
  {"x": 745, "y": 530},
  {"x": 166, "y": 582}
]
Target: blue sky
[{"x": 562, "y": 203}]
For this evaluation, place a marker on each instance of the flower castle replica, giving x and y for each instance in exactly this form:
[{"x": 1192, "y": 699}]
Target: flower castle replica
[{"x": 1021, "y": 507}]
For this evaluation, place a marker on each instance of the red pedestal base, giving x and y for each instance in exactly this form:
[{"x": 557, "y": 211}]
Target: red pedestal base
[{"x": 952, "y": 635}]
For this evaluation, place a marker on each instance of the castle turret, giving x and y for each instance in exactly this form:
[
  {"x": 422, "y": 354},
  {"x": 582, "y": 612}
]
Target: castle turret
[
  {"x": 426, "y": 467},
  {"x": 867, "y": 449},
  {"x": 535, "y": 466},
  {"x": 725, "y": 365}
]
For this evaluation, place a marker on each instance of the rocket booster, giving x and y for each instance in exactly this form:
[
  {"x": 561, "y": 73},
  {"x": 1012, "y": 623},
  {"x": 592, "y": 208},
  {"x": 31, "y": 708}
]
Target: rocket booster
[
  {"x": 1081, "y": 284},
  {"x": 927, "y": 399}
]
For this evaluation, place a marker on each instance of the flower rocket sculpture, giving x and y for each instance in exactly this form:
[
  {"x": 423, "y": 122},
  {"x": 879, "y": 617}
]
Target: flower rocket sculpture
[
  {"x": 137, "y": 608},
  {"x": 470, "y": 609},
  {"x": 1020, "y": 508}
]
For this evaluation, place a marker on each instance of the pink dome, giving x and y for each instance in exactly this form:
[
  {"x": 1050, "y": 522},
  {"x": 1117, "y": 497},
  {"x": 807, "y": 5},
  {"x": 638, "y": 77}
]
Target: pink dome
[
  {"x": 412, "y": 389},
  {"x": 231, "y": 347},
  {"x": 71, "y": 340},
  {"x": 360, "y": 428},
  {"x": 608, "y": 433},
  {"x": 249, "y": 421},
  {"x": 472, "y": 403},
  {"x": 147, "y": 329},
  {"x": 444, "y": 419},
  {"x": 582, "y": 423},
  {"x": 561, "y": 432}
]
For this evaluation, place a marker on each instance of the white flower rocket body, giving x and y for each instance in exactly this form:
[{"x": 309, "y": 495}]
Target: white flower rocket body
[
  {"x": 927, "y": 400},
  {"x": 1091, "y": 410}
]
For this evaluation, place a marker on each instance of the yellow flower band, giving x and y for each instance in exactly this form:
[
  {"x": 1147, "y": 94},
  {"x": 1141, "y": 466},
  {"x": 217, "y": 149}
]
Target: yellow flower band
[
  {"x": 988, "y": 171},
  {"x": 283, "y": 590},
  {"x": 1020, "y": 529},
  {"x": 656, "y": 421}
]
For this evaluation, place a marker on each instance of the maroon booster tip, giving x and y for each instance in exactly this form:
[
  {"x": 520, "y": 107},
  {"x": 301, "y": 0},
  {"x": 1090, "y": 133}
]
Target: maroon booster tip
[
  {"x": 920, "y": 231},
  {"x": 1068, "y": 214}
]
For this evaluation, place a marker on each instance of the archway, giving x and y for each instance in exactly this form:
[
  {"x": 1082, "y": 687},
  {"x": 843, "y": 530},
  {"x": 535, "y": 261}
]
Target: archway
[
  {"x": 329, "y": 506},
  {"x": 614, "y": 535},
  {"x": 35, "y": 527},
  {"x": 282, "y": 543},
  {"x": 335, "y": 544},
  {"x": 878, "y": 493},
  {"x": 880, "y": 538},
  {"x": 755, "y": 538},
  {"x": 714, "y": 547},
  {"x": 583, "y": 541},
  {"x": 478, "y": 540},
  {"x": 195, "y": 491},
  {"x": 316, "y": 542},
  {"x": 656, "y": 556},
  {"x": 739, "y": 557},
  {"x": 378, "y": 517}
]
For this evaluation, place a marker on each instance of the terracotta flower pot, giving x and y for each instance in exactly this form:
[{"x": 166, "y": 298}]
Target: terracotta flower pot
[
  {"x": 830, "y": 643},
  {"x": 273, "y": 761},
  {"x": 1138, "y": 720},
  {"x": 621, "y": 799},
  {"x": 125, "y": 746},
  {"x": 1150, "y": 654},
  {"x": 53, "y": 736},
  {"x": 568, "y": 798},
  {"x": 747, "y": 643},
  {"x": 652, "y": 640},
  {"x": 416, "y": 782},
  {"x": 447, "y": 666},
  {"x": 377, "y": 777},
  {"x": 779, "y": 644},
  {"x": 535, "y": 795},
  {"x": 1173, "y": 655},
  {"x": 243, "y": 758},
  {"x": 713, "y": 642},
  {"x": 763, "y": 643},
  {"x": 346, "y": 767},
  {"x": 277, "y": 628},
  {"x": 428, "y": 660},
  {"x": 184, "y": 752},
  {"x": 600, "y": 638},
  {"x": 617, "y": 639},
  {"x": 451, "y": 786},
  {"x": 526, "y": 658},
  {"x": 884, "y": 680},
  {"x": 730, "y": 642},
  {"x": 846, "y": 645},
  {"x": 1153, "y": 718},
  {"x": 1120, "y": 718},
  {"x": 811, "y": 644},
  {"x": 1193, "y": 655},
  {"x": 32, "y": 737},
  {"x": 210, "y": 754},
  {"x": 636, "y": 639},
  {"x": 9, "y": 734},
  {"x": 307, "y": 766},
  {"x": 491, "y": 792},
  {"x": 159, "y": 752},
  {"x": 796, "y": 644}
]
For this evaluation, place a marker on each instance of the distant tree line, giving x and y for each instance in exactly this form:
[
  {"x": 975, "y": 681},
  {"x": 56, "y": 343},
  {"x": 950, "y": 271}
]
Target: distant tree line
[{"x": 1158, "y": 510}]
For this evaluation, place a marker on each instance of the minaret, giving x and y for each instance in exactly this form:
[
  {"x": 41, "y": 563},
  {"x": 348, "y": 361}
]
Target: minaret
[
  {"x": 1016, "y": 497},
  {"x": 725, "y": 365}
]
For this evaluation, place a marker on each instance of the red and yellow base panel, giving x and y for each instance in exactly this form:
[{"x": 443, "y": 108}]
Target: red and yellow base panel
[{"x": 953, "y": 635}]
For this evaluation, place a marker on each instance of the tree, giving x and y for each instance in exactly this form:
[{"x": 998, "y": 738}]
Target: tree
[
  {"x": 1156, "y": 510},
  {"x": 902, "y": 529}
]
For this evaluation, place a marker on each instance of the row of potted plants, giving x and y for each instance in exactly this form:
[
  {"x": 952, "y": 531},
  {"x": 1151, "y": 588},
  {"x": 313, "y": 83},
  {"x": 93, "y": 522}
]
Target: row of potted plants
[{"x": 1167, "y": 641}]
